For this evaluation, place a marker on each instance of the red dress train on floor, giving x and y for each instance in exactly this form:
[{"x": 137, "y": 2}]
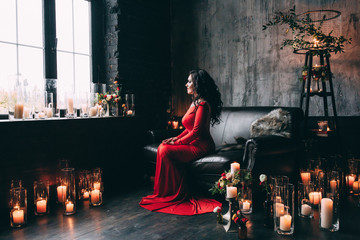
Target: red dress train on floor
[{"x": 171, "y": 190}]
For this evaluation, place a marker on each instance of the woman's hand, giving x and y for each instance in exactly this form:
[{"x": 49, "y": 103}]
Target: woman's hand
[{"x": 169, "y": 140}]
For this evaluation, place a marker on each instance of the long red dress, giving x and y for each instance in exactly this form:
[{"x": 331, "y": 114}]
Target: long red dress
[{"x": 171, "y": 194}]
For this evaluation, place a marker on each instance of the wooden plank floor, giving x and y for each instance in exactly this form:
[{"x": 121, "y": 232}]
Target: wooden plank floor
[{"x": 122, "y": 218}]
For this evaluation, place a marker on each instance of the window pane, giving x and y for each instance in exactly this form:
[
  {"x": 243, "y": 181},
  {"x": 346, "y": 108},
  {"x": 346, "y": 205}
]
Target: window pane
[
  {"x": 8, "y": 20},
  {"x": 7, "y": 63},
  {"x": 81, "y": 26},
  {"x": 82, "y": 73},
  {"x": 31, "y": 66},
  {"x": 64, "y": 29},
  {"x": 30, "y": 30},
  {"x": 65, "y": 73}
]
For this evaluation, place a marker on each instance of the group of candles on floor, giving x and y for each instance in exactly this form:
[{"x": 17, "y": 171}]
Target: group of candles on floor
[
  {"x": 318, "y": 190},
  {"x": 90, "y": 187}
]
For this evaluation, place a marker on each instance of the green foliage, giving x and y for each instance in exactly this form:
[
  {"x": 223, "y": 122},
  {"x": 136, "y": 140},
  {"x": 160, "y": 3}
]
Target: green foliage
[{"x": 302, "y": 29}]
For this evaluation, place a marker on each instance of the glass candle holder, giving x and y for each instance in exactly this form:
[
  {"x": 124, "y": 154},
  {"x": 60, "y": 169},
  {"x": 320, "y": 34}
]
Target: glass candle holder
[
  {"x": 96, "y": 189},
  {"x": 49, "y": 105},
  {"x": 305, "y": 176},
  {"x": 245, "y": 192},
  {"x": 130, "y": 104},
  {"x": 41, "y": 197},
  {"x": 329, "y": 211},
  {"x": 284, "y": 209},
  {"x": 323, "y": 125},
  {"x": 18, "y": 206},
  {"x": 333, "y": 182},
  {"x": 70, "y": 105},
  {"x": 69, "y": 198},
  {"x": 350, "y": 179},
  {"x": 305, "y": 207},
  {"x": 83, "y": 104},
  {"x": 84, "y": 185}
]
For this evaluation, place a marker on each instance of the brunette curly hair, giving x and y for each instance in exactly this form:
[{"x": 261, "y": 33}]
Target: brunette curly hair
[{"x": 207, "y": 89}]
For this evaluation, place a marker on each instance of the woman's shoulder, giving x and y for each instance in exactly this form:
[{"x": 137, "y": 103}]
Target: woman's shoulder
[{"x": 203, "y": 103}]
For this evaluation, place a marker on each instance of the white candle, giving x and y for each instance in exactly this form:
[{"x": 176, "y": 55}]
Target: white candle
[
  {"x": 86, "y": 195},
  {"x": 49, "y": 112},
  {"x": 305, "y": 177},
  {"x": 279, "y": 208},
  {"x": 41, "y": 206},
  {"x": 285, "y": 222},
  {"x": 234, "y": 167},
  {"x": 326, "y": 213},
  {"x": 231, "y": 192},
  {"x": 97, "y": 185},
  {"x": 41, "y": 115},
  {"x": 70, "y": 103},
  {"x": 315, "y": 197},
  {"x": 278, "y": 199},
  {"x": 18, "y": 216},
  {"x": 27, "y": 112},
  {"x": 19, "y": 109},
  {"x": 356, "y": 187},
  {"x": 61, "y": 192},
  {"x": 92, "y": 111},
  {"x": 95, "y": 196},
  {"x": 130, "y": 112},
  {"x": 333, "y": 184},
  {"x": 350, "y": 181},
  {"x": 305, "y": 209},
  {"x": 246, "y": 205},
  {"x": 69, "y": 207}
]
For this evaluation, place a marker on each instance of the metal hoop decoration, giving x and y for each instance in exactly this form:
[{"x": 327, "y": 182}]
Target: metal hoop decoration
[
  {"x": 305, "y": 50},
  {"x": 323, "y": 12}
]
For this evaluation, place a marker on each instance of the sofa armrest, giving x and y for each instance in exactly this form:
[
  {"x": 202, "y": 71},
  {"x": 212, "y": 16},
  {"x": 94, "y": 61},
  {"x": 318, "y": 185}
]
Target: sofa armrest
[
  {"x": 156, "y": 136},
  {"x": 260, "y": 149}
]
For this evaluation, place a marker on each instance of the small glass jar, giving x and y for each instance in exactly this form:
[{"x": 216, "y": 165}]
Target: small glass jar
[
  {"x": 305, "y": 207},
  {"x": 84, "y": 185},
  {"x": 69, "y": 198},
  {"x": 18, "y": 206},
  {"x": 41, "y": 197}
]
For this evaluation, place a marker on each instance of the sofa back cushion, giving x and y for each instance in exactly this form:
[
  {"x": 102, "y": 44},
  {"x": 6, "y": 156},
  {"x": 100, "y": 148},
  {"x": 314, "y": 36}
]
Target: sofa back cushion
[{"x": 236, "y": 122}]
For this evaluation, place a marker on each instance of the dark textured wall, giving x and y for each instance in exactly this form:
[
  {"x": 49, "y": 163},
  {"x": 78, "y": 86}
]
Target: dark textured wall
[{"x": 226, "y": 38}]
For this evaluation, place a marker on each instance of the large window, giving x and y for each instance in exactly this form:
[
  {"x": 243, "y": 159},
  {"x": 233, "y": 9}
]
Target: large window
[{"x": 24, "y": 33}]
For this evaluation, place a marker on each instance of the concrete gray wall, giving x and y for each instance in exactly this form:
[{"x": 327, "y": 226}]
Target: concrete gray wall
[{"x": 225, "y": 37}]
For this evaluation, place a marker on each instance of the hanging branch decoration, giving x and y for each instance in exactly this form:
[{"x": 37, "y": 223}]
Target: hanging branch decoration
[{"x": 305, "y": 28}]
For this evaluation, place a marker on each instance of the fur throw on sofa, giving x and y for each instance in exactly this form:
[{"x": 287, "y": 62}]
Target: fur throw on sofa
[{"x": 276, "y": 122}]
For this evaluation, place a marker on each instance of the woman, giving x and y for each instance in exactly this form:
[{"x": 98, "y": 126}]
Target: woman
[{"x": 171, "y": 192}]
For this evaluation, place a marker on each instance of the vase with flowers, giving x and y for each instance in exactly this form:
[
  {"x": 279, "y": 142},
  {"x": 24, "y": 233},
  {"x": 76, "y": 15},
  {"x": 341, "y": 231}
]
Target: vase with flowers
[
  {"x": 241, "y": 221},
  {"x": 268, "y": 202},
  {"x": 110, "y": 99}
]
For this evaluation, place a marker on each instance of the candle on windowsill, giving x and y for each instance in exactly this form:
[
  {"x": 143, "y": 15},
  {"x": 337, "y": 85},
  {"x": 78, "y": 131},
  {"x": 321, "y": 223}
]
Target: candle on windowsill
[
  {"x": 27, "y": 112},
  {"x": 18, "y": 216},
  {"x": 19, "y": 109},
  {"x": 41, "y": 206},
  {"x": 61, "y": 193},
  {"x": 92, "y": 111},
  {"x": 231, "y": 192},
  {"x": 70, "y": 106},
  {"x": 41, "y": 115},
  {"x": 234, "y": 167},
  {"x": 49, "y": 112}
]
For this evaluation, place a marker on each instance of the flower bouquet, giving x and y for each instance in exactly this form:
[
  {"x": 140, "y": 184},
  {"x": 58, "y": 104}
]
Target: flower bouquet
[
  {"x": 219, "y": 216},
  {"x": 268, "y": 203},
  {"x": 111, "y": 98},
  {"x": 229, "y": 179},
  {"x": 241, "y": 221}
]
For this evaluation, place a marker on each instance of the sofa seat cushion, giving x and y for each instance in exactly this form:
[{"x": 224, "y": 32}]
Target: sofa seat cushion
[{"x": 150, "y": 152}]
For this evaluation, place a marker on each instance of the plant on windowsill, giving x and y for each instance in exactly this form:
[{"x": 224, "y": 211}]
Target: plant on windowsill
[{"x": 304, "y": 29}]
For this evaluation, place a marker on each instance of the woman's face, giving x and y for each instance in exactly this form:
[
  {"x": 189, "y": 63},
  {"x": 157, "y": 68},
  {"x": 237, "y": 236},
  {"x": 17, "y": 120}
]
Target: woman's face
[{"x": 190, "y": 86}]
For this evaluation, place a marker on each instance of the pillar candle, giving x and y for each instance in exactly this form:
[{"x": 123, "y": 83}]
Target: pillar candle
[
  {"x": 95, "y": 196},
  {"x": 49, "y": 112},
  {"x": 278, "y": 199},
  {"x": 305, "y": 209},
  {"x": 41, "y": 206},
  {"x": 231, "y": 192},
  {"x": 326, "y": 213},
  {"x": 279, "y": 208},
  {"x": 315, "y": 197},
  {"x": 333, "y": 184},
  {"x": 69, "y": 207},
  {"x": 61, "y": 192},
  {"x": 356, "y": 187},
  {"x": 175, "y": 124},
  {"x": 19, "y": 109},
  {"x": 285, "y": 222},
  {"x": 97, "y": 185},
  {"x": 27, "y": 112},
  {"x": 305, "y": 177},
  {"x": 246, "y": 205},
  {"x": 235, "y": 167},
  {"x": 18, "y": 216},
  {"x": 350, "y": 181},
  {"x": 86, "y": 195},
  {"x": 41, "y": 115},
  {"x": 130, "y": 112},
  {"x": 70, "y": 103},
  {"x": 92, "y": 111}
]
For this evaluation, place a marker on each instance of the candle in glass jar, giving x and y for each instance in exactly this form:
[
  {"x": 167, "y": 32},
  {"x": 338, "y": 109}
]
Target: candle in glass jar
[
  {"x": 27, "y": 112},
  {"x": 350, "y": 180},
  {"x": 70, "y": 103},
  {"x": 356, "y": 187},
  {"x": 285, "y": 222},
  {"x": 49, "y": 112},
  {"x": 18, "y": 216},
  {"x": 97, "y": 185},
  {"x": 130, "y": 112},
  {"x": 246, "y": 205},
  {"x": 305, "y": 177},
  {"x": 41, "y": 206},
  {"x": 305, "y": 209},
  {"x": 19, "y": 109},
  {"x": 279, "y": 208},
  {"x": 92, "y": 111},
  {"x": 61, "y": 192},
  {"x": 234, "y": 167},
  {"x": 95, "y": 196},
  {"x": 41, "y": 115},
  {"x": 315, "y": 197},
  {"x": 231, "y": 192},
  {"x": 86, "y": 195},
  {"x": 69, "y": 207},
  {"x": 326, "y": 213},
  {"x": 333, "y": 184}
]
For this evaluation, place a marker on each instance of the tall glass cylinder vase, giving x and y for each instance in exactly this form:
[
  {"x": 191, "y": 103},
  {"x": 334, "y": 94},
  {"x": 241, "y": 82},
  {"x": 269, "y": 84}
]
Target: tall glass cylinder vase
[
  {"x": 305, "y": 206},
  {"x": 245, "y": 192},
  {"x": 284, "y": 209},
  {"x": 329, "y": 209},
  {"x": 69, "y": 198},
  {"x": 97, "y": 188},
  {"x": 18, "y": 206},
  {"x": 41, "y": 197},
  {"x": 84, "y": 185}
]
